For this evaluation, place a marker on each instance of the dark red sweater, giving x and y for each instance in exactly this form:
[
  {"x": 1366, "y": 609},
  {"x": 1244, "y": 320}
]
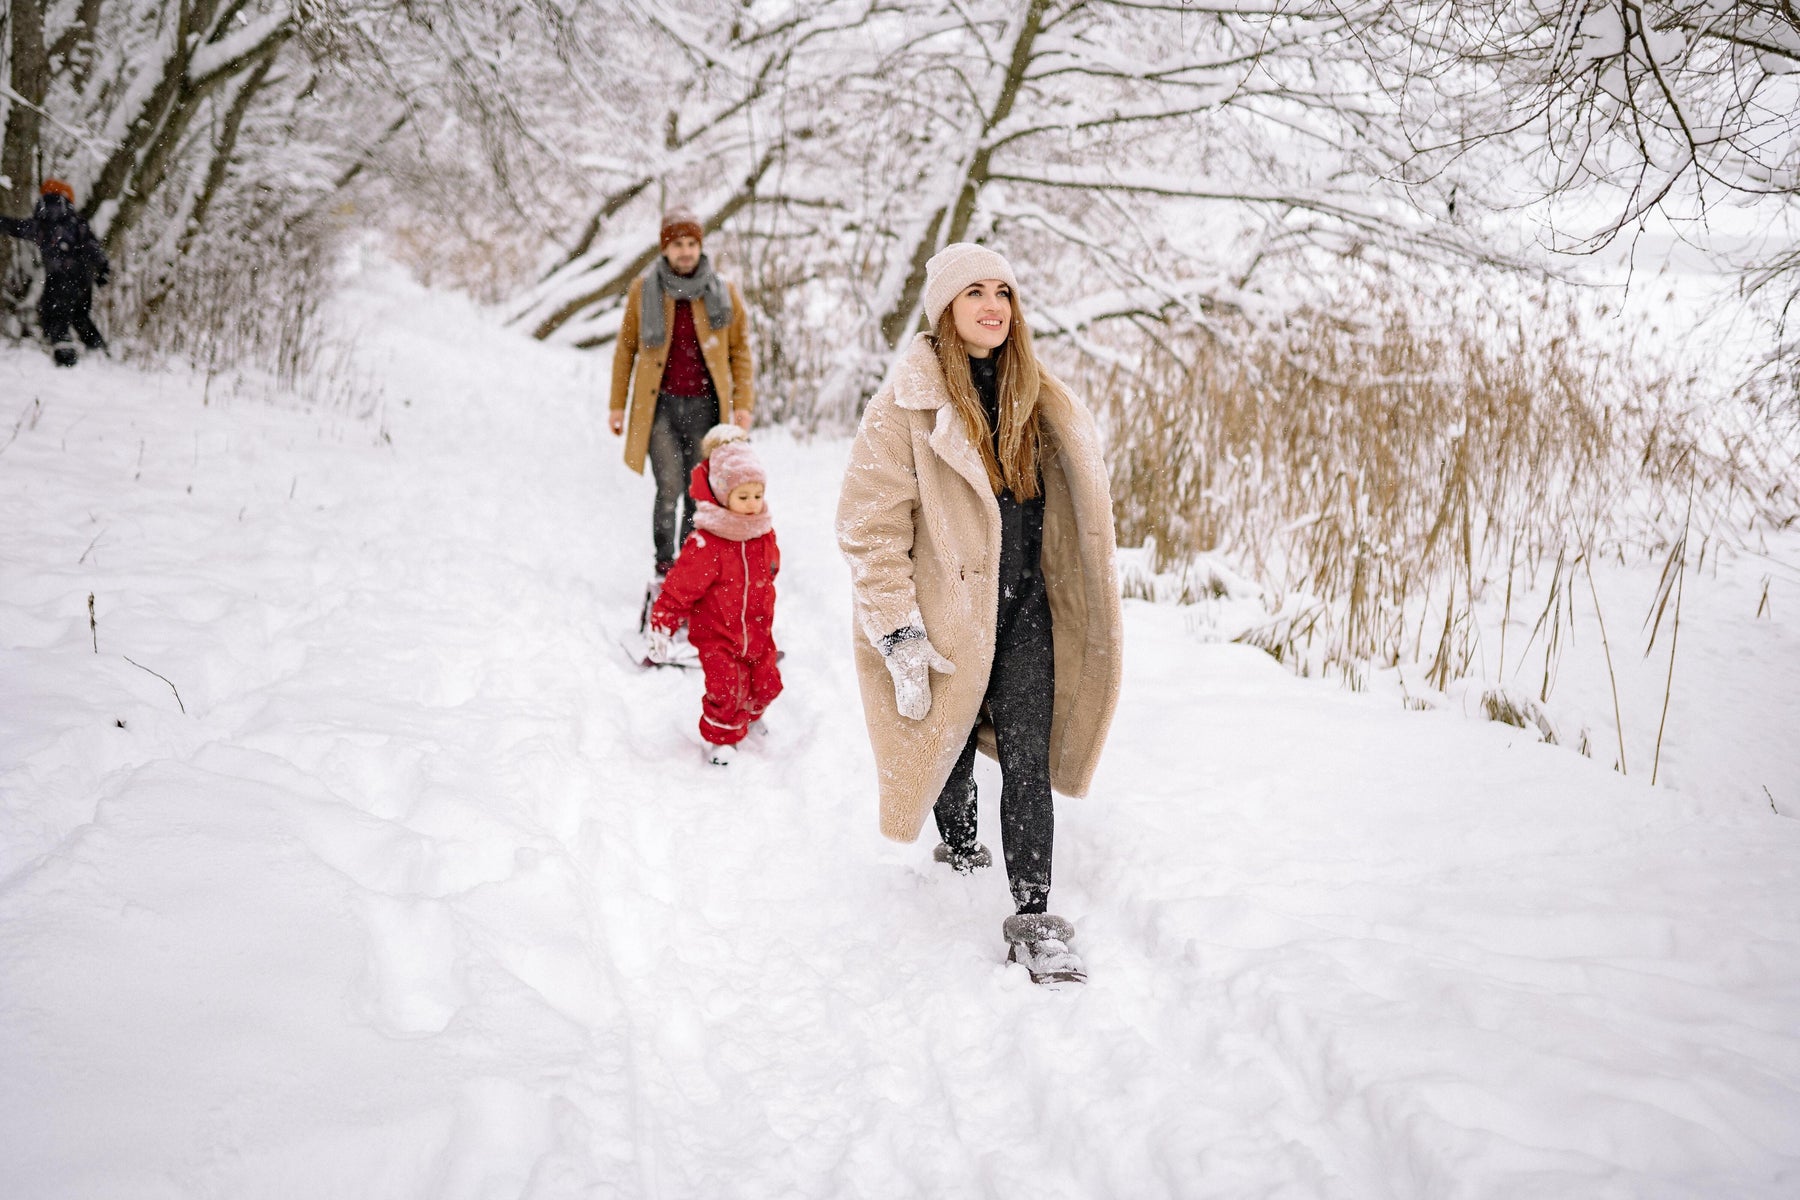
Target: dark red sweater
[{"x": 686, "y": 374}]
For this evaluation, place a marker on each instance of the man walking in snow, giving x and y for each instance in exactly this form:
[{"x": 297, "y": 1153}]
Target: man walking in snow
[
  {"x": 683, "y": 362},
  {"x": 73, "y": 264}
]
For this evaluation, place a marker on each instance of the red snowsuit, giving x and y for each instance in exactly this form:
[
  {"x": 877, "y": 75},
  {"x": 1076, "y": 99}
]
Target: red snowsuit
[{"x": 724, "y": 589}]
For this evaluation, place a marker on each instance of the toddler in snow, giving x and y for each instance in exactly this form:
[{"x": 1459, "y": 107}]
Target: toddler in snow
[{"x": 723, "y": 586}]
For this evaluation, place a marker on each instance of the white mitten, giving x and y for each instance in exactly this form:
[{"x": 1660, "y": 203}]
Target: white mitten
[
  {"x": 910, "y": 660},
  {"x": 659, "y": 646}
]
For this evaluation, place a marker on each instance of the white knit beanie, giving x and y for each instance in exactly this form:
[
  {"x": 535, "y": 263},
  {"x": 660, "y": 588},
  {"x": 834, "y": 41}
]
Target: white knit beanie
[{"x": 954, "y": 268}]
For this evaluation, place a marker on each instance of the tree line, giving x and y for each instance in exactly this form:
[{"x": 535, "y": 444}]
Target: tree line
[{"x": 1186, "y": 162}]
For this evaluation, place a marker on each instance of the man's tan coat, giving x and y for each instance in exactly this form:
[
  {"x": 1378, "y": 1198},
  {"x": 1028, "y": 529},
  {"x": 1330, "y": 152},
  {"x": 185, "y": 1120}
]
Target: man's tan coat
[
  {"x": 920, "y": 527},
  {"x": 638, "y": 369}
]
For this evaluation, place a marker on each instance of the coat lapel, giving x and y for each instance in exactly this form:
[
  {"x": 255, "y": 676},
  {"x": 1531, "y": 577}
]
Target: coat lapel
[{"x": 920, "y": 385}]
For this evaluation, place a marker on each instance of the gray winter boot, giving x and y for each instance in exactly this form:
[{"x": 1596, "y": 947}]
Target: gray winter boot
[
  {"x": 1040, "y": 943},
  {"x": 964, "y": 862}
]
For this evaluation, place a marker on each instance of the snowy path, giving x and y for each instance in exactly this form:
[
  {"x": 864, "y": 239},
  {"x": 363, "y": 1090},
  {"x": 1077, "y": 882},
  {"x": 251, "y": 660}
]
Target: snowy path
[{"x": 427, "y": 894}]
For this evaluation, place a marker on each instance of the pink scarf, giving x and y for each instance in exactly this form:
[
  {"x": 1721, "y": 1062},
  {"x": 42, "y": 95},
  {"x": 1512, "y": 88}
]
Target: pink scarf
[{"x": 737, "y": 527}]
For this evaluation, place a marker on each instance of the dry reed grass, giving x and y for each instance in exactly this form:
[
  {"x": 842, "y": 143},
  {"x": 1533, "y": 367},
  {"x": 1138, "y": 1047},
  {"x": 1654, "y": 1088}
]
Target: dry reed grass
[
  {"x": 226, "y": 305},
  {"x": 1380, "y": 477},
  {"x": 247, "y": 312}
]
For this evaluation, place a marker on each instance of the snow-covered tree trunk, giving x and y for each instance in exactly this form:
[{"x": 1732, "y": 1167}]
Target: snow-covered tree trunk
[
  {"x": 207, "y": 190},
  {"x": 716, "y": 112},
  {"x": 202, "y": 49},
  {"x": 607, "y": 274},
  {"x": 27, "y": 81},
  {"x": 950, "y": 222}
]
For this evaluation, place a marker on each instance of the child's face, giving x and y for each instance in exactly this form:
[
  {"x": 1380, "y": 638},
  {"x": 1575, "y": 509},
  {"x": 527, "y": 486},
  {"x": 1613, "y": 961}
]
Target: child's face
[{"x": 746, "y": 499}]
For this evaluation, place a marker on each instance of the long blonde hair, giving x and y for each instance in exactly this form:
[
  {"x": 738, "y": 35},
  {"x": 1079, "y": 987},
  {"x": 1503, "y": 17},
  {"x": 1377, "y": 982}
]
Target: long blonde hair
[{"x": 1021, "y": 384}]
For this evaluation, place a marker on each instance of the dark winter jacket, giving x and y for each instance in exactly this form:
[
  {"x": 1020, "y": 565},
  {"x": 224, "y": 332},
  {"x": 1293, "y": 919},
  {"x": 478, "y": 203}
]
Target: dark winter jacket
[
  {"x": 73, "y": 259},
  {"x": 722, "y": 587}
]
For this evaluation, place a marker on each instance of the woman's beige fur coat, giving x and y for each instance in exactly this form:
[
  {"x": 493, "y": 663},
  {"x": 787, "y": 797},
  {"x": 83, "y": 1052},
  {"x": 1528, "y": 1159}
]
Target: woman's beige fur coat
[{"x": 920, "y": 527}]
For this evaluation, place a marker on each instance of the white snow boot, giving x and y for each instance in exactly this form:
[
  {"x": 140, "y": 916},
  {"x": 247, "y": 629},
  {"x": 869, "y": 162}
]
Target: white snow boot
[
  {"x": 721, "y": 756},
  {"x": 964, "y": 862},
  {"x": 1040, "y": 943}
]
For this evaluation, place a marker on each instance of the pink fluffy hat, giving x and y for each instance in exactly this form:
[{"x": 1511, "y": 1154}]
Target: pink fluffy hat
[{"x": 732, "y": 466}]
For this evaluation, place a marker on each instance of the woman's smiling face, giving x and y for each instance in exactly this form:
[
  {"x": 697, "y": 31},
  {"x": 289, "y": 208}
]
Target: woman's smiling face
[{"x": 982, "y": 313}]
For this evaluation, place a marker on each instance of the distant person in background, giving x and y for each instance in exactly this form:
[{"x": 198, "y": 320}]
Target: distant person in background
[
  {"x": 977, "y": 520},
  {"x": 73, "y": 264},
  {"x": 683, "y": 362}
]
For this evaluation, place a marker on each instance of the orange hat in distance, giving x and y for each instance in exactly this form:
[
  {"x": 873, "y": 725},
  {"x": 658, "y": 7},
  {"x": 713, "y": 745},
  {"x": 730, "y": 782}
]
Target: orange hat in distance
[{"x": 59, "y": 187}]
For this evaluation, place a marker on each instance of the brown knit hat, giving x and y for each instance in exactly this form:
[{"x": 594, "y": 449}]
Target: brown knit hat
[
  {"x": 59, "y": 187},
  {"x": 680, "y": 221}
]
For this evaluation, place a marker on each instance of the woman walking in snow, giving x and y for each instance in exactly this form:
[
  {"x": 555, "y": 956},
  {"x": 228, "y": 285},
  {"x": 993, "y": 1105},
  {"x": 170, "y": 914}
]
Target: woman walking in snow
[{"x": 976, "y": 517}]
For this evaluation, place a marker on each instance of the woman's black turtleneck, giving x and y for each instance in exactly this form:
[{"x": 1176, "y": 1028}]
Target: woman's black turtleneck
[
  {"x": 986, "y": 374},
  {"x": 1021, "y": 522}
]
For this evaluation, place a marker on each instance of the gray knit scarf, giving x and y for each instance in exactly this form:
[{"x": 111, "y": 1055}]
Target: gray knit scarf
[{"x": 703, "y": 284}]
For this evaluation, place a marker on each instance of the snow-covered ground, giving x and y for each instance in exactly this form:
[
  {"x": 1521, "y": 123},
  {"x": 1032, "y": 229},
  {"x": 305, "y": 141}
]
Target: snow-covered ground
[{"x": 427, "y": 893}]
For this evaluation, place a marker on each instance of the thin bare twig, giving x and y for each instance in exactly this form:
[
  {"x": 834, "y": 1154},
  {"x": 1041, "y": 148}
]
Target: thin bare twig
[
  {"x": 31, "y": 410},
  {"x": 140, "y": 666}
]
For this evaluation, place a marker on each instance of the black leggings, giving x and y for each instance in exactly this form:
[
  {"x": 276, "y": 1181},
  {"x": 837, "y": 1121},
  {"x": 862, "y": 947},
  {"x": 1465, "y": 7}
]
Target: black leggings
[
  {"x": 1020, "y": 698},
  {"x": 675, "y": 436}
]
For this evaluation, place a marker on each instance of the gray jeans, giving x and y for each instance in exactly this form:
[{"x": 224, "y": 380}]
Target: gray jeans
[{"x": 675, "y": 435}]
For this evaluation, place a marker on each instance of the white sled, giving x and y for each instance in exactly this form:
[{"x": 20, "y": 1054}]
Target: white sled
[{"x": 637, "y": 649}]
